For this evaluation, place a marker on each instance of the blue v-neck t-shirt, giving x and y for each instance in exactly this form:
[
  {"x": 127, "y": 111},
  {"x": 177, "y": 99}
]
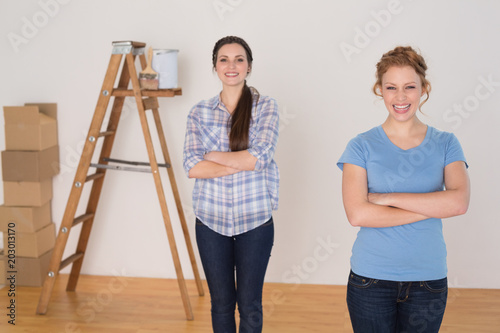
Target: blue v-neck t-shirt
[{"x": 415, "y": 251}]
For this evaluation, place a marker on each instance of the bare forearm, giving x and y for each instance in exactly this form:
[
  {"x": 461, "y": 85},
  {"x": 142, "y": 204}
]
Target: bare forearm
[
  {"x": 240, "y": 160},
  {"x": 377, "y": 216},
  {"x": 441, "y": 204},
  {"x": 207, "y": 169}
]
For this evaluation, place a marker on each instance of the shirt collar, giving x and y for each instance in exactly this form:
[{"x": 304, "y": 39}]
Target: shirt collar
[{"x": 216, "y": 101}]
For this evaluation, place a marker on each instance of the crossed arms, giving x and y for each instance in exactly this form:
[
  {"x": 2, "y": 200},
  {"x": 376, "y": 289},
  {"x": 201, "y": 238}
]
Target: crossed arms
[{"x": 378, "y": 210}]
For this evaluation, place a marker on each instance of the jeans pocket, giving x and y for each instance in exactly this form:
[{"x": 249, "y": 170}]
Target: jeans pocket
[
  {"x": 436, "y": 286},
  {"x": 359, "y": 281},
  {"x": 268, "y": 223}
]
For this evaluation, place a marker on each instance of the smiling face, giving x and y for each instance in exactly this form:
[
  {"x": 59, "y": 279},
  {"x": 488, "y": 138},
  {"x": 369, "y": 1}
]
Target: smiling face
[
  {"x": 232, "y": 65},
  {"x": 401, "y": 89}
]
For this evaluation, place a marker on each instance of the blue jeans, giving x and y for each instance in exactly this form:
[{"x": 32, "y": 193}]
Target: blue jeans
[
  {"x": 390, "y": 306},
  {"x": 247, "y": 254}
]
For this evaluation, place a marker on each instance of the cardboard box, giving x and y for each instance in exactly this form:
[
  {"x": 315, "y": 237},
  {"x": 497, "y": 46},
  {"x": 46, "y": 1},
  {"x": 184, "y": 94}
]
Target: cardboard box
[
  {"x": 30, "y": 127},
  {"x": 26, "y": 219},
  {"x": 27, "y": 193},
  {"x": 33, "y": 244},
  {"x": 31, "y": 272},
  {"x": 30, "y": 166}
]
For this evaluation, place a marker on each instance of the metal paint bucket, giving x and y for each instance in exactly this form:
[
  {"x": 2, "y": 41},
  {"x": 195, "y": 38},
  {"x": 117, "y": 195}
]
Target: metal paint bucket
[{"x": 165, "y": 64}]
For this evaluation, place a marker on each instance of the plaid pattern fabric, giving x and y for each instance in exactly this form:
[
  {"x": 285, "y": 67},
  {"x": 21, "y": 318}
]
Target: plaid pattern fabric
[{"x": 237, "y": 203}]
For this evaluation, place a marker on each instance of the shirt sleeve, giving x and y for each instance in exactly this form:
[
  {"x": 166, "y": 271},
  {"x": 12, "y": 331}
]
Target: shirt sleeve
[
  {"x": 353, "y": 154},
  {"x": 193, "y": 146},
  {"x": 263, "y": 142},
  {"x": 454, "y": 151}
]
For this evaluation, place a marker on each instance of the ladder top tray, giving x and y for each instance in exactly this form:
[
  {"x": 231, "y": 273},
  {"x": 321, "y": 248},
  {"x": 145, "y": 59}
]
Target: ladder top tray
[
  {"x": 129, "y": 43},
  {"x": 148, "y": 93}
]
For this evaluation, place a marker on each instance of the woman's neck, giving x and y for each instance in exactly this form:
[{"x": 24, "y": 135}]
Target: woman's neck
[
  {"x": 405, "y": 135},
  {"x": 402, "y": 129},
  {"x": 230, "y": 97}
]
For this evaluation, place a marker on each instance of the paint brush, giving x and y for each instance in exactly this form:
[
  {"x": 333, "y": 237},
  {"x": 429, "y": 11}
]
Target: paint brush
[{"x": 148, "y": 78}]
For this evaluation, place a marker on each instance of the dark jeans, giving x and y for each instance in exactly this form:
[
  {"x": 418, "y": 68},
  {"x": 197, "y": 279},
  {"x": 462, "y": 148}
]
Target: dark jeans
[
  {"x": 390, "y": 306},
  {"x": 247, "y": 254}
]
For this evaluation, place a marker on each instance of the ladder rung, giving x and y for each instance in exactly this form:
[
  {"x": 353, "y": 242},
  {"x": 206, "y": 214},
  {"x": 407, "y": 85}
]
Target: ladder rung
[
  {"x": 106, "y": 133},
  {"x": 71, "y": 259},
  {"x": 82, "y": 218},
  {"x": 107, "y": 159},
  {"x": 94, "y": 176},
  {"x": 118, "y": 167},
  {"x": 150, "y": 103}
]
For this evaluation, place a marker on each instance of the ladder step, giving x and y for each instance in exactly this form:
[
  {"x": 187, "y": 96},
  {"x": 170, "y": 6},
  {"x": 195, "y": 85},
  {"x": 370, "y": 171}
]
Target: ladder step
[
  {"x": 94, "y": 176},
  {"x": 71, "y": 259},
  {"x": 106, "y": 133},
  {"x": 82, "y": 218},
  {"x": 123, "y": 92}
]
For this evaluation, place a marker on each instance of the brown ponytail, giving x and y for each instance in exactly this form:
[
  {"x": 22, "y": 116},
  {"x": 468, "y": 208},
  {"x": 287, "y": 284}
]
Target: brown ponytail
[{"x": 240, "y": 121}]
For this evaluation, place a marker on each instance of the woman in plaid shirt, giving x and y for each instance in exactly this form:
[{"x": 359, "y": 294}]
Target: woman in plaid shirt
[{"x": 229, "y": 148}]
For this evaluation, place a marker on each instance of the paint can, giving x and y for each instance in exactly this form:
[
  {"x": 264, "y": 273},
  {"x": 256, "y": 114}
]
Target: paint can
[{"x": 165, "y": 64}]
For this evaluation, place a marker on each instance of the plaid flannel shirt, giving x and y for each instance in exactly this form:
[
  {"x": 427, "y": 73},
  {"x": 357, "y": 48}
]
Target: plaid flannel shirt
[{"x": 234, "y": 204}]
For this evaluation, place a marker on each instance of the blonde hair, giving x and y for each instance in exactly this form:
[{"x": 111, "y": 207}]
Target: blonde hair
[{"x": 402, "y": 56}]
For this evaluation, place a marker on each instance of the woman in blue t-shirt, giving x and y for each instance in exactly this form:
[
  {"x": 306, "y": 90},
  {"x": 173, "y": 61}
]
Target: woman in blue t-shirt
[{"x": 399, "y": 180}]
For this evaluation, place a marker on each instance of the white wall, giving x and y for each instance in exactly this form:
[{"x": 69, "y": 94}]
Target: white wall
[{"x": 324, "y": 97}]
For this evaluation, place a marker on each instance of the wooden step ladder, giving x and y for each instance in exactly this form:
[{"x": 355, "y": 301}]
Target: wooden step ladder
[{"x": 145, "y": 100}]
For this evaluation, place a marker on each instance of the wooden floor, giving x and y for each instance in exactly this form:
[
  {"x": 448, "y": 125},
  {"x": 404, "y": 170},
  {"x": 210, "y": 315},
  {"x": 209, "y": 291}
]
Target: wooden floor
[{"x": 143, "y": 305}]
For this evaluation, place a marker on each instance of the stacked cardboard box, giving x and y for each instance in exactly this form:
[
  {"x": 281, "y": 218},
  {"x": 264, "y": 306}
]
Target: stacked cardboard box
[{"x": 29, "y": 162}]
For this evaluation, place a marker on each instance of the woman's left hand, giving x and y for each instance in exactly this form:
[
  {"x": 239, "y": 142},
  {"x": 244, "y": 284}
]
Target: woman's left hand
[{"x": 208, "y": 157}]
